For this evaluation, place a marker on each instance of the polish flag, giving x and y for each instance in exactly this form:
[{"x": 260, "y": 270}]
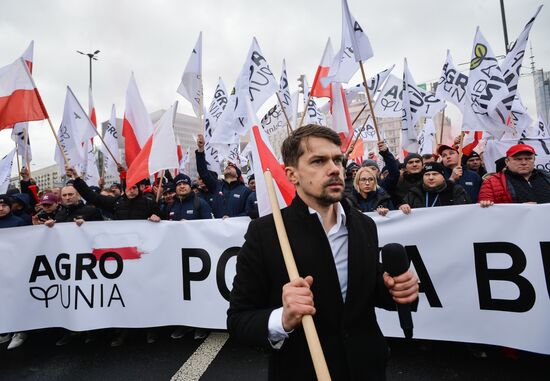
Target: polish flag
[
  {"x": 159, "y": 151},
  {"x": 19, "y": 97},
  {"x": 470, "y": 142},
  {"x": 341, "y": 120},
  {"x": 317, "y": 89},
  {"x": 137, "y": 126},
  {"x": 264, "y": 159},
  {"x": 28, "y": 55}
]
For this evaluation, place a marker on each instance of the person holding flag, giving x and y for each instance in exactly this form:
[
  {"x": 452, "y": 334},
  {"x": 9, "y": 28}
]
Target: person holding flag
[
  {"x": 336, "y": 252},
  {"x": 229, "y": 194}
]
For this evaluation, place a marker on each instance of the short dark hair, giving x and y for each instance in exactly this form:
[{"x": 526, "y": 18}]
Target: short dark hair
[{"x": 291, "y": 149}]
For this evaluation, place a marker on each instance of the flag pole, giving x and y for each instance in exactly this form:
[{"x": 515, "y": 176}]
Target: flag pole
[
  {"x": 159, "y": 186},
  {"x": 359, "y": 134},
  {"x": 317, "y": 356},
  {"x": 28, "y": 164},
  {"x": 369, "y": 100},
  {"x": 460, "y": 153},
  {"x": 17, "y": 156},
  {"x": 305, "y": 110},
  {"x": 442, "y": 125},
  {"x": 289, "y": 128}
]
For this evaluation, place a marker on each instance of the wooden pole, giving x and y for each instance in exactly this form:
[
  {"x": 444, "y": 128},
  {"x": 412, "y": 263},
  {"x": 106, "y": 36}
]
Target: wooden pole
[
  {"x": 369, "y": 100},
  {"x": 442, "y": 126},
  {"x": 288, "y": 126},
  {"x": 67, "y": 162},
  {"x": 17, "y": 156},
  {"x": 460, "y": 153},
  {"x": 359, "y": 134},
  {"x": 317, "y": 356},
  {"x": 358, "y": 115},
  {"x": 28, "y": 164},
  {"x": 106, "y": 147},
  {"x": 159, "y": 186},
  {"x": 305, "y": 110}
]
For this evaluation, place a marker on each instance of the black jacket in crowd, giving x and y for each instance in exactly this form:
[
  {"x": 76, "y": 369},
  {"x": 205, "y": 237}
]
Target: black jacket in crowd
[
  {"x": 11, "y": 221},
  {"x": 374, "y": 199},
  {"x": 123, "y": 208},
  {"x": 404, "y": 185},
  {"x": 192, "y": 207},
  {"x": 452, "y": 194},
  {"x": 78, "y": 211}
]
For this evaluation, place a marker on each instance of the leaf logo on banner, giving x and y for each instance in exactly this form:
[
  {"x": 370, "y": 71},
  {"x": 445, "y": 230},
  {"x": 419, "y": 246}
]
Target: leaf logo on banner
[{"x": 481, "y": 54}]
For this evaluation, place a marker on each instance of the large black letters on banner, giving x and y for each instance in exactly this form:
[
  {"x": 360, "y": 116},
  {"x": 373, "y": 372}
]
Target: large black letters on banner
[
  {"x": 545, "y": 252},
  {"x": 189, "y": 276},
  {"x": 484, "y": 275},
  {"x": 220, "y": 270},
  {"x": 426, "y": 284}
]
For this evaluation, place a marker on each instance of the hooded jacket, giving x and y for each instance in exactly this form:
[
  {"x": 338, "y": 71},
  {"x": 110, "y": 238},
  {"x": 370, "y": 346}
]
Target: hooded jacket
[
  {"x": 24, "y": 199},
  {"x": 11, "y": 221}
]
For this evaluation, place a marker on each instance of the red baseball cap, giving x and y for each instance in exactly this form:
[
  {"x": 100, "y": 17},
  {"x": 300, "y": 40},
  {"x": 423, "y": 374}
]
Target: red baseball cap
[
  {"x": 518, "y": 148},
  {"x": 444, "y": 147},
  {"x": 48, "y": 199}
]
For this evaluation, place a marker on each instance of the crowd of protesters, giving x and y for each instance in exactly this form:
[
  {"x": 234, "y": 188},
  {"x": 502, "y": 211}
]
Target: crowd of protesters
[{"x": 421, "y": 181}]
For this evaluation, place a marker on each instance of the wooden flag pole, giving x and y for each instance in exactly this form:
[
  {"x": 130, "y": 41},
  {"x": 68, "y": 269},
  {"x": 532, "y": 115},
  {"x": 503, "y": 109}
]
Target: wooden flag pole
[
  {"x": 442, "y": 126},
  {"x": 460, "y": 153},
  {"x": 106, "y": 147},
  {"x": 17, "y": 156},
  {"x": 358, "y": 115},
  {"x": 359, "y": 134},
  {"x": 28, "y": 164},
  {"x": 67, "y": 162},
  {"x": 159, "y": 186},
  {"x": 305, "y": 110},
  {"x": 369, "y": 100},
  {"x": 288, "y": 126},
  {"x": 317, "y": 356}
]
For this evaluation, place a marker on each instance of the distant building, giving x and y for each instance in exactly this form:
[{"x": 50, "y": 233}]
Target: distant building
[
  {"x": 542, "y": 93},
  {"x": 46, "y": 178}
]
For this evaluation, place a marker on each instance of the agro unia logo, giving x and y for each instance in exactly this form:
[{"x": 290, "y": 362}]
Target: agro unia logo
[{"x": 84, "y": 280}]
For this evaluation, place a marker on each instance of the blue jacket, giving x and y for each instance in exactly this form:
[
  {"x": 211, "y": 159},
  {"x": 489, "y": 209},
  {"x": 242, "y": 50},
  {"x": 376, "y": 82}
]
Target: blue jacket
[
  {"x": 374, "y": 199},
  {"x": 470, "y": 181},
  {"x": 229, "y": 199},
  {"x": 190, "y": 208},
  {"x": 390, "y": 181},
  {"x": 11, "y": 221},
  {"x": 252, "y": 206},
  {"x": 23, "y": 213}
]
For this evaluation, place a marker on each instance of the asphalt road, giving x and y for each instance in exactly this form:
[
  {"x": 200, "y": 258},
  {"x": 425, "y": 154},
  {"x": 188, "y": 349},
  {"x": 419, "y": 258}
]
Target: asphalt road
[{"x": 166, "y": 359}]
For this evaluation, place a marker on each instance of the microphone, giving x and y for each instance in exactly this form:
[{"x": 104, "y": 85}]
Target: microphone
[{"x": 395, "y": 262}]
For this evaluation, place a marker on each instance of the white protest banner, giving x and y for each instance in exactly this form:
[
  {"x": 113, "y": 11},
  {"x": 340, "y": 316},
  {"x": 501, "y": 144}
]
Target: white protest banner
[
  {"x": 212, "y": 116},
  {"x": 191, "y": 81},
  {"x": 6, "y": 163},
  {"x": 488, "y": 286},
  {"x": 496, "y": 149}
]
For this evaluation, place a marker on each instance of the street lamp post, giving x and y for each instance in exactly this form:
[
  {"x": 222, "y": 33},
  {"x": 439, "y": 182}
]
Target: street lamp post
[
  {"x": 503, "y": 14},
  {"x": 91, "y": 56}
]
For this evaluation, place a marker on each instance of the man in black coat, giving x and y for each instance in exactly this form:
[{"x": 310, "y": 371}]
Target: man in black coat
[
  {"x": 132, "y": 205},
  {"x": 73, "y": 209},
  {"x": 336, "y": 252}
]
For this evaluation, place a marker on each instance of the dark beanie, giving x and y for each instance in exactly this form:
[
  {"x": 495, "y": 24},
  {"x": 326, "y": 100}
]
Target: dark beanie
[
  {"x": 5, "y": 199},
  {"x": 412, "y": 156},
  {"x": 182, "y": 178},
  {"x": 237, "y": 169},
  {"x": 434, "y": 167},
  {"x": 370, "y": 163},
  {"x": 250, "y": 178}
]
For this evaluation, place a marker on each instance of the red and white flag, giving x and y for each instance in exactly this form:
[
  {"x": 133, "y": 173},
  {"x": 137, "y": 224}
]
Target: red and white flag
[
  {"x": 159, "y": 151},
  {"x": 28, "y": 55},
  {"x": 317, "y": 89},
  {"x": 263, "y": 159},
  {"x": 19, "y": 97},
  {"x": 137, "y": 126},
  {"x": 341, "y": 120}
]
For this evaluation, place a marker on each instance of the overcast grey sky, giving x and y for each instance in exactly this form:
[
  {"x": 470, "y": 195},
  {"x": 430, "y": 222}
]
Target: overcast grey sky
[{"x": 154, "y": 39}]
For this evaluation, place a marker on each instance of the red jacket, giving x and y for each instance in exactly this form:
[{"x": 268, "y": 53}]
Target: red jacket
[{"x": 495, "y": 188}]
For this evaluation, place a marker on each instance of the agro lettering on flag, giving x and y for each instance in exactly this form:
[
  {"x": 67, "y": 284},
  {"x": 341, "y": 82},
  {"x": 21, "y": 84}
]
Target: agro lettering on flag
[
  {"x": 511, "y": 65},
  {"x": 76, "y": 128},
  {"x": 110, "y": 137},
  {"x": 6, "y": 164},
  {"x": 213, "y": 115},
  {"x": 452, "y": 84},
  {"x": 191, "y": 81},
  {"x": 389, "y": 103},
  {"x": 284, "y": 92},
  {"x": 256, "y": 82},
  {"x": 483, "y": 109}
]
